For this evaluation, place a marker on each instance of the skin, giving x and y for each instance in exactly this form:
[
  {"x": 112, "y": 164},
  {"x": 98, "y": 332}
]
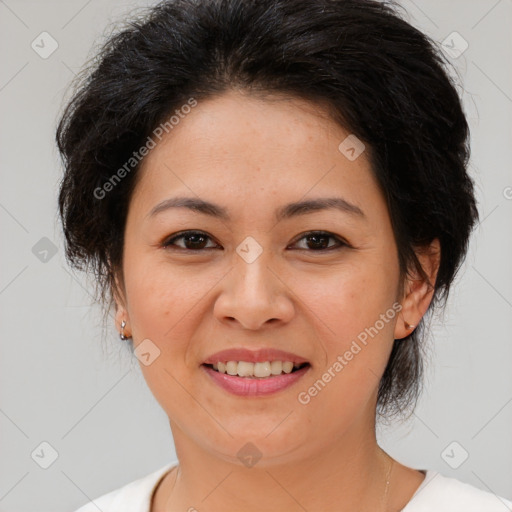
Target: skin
[{"x": 252, "y": 156}]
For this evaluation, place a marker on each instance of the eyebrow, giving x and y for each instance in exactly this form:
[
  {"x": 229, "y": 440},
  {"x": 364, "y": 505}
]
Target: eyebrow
[{"x": 286, "y": 212}]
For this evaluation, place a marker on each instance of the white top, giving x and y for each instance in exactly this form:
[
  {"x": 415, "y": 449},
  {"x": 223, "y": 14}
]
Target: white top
[{"x": 437, "y": 493}]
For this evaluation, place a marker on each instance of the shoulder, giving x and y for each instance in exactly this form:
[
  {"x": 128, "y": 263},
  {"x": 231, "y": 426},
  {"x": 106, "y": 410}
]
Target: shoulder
[
  {"x": 439, "y": 493},
  {"x": 132, "y": 497}
]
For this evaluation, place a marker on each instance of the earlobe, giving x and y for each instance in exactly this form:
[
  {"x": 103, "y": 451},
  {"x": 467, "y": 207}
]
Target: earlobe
[{"x": 419, "y": 292}]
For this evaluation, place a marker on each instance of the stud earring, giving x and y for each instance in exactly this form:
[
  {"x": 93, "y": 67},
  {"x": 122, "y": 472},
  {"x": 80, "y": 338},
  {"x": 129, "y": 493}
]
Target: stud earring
[{"x": 409, "y": 326}]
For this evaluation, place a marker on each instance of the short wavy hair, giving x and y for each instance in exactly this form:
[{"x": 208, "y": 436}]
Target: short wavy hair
[{"x": 377, "y": 76}]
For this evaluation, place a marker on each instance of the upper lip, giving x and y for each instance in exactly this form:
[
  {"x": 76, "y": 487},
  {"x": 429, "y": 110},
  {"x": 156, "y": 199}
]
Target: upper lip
[{"x": 253, "y": 356}]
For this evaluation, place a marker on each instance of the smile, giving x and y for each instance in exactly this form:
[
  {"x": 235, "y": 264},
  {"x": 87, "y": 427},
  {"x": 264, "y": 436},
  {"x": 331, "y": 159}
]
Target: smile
[
  {"x": 255, "y": 372},
  {"x": 244, "y": 378}
]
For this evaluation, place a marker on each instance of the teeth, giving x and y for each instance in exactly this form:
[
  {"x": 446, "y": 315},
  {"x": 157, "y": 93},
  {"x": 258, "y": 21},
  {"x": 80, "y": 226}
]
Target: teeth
[
  {"x": 245, "y": 369},
  {"x": 262, "y": 369},
  {"x": 287, "y": 366},
  {"x": 276, "y": 367},
  {"x": 231, "y": 367}
]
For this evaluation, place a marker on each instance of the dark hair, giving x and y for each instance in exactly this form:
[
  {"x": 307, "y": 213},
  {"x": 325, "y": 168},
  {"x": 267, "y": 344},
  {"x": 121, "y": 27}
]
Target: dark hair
[{"x": 377, "y": 76}]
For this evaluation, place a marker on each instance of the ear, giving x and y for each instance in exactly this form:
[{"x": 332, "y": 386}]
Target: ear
[
  {"x": 417, "y": 292},
  {"x": 121, "y": 308}
]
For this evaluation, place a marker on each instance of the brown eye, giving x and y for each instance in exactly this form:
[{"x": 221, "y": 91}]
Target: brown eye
[
  {"x": 319, "y": 241},
  {"x": 192, "y": 240}
]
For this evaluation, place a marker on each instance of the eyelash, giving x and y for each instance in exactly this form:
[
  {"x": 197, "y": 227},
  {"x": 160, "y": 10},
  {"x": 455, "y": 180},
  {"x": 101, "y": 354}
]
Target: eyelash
[{"x": 169, "y": 242}]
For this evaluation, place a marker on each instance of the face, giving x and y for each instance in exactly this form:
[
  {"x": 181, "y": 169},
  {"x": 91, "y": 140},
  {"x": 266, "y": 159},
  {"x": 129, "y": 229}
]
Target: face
[{"x": 308, "y": 281}]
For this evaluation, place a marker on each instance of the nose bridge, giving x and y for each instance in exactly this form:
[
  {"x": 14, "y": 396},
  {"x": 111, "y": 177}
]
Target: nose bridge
[
  {"x": 252, "y": 275},
  {"x": 253, "y": 294}
]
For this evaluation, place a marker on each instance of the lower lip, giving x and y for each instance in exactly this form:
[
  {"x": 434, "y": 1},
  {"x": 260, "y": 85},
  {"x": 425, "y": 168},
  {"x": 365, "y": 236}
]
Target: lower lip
[{"x": 244, "y": 386}]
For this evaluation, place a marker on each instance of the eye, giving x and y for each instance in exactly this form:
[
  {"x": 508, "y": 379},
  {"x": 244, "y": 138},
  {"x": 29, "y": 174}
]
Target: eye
[
  {"x": 318, "y": 241},
  {"x": 193, "y": 240}
]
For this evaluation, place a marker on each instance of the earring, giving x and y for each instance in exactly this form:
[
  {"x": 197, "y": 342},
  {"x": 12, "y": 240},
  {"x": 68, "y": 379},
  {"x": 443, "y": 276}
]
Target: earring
[
  {"x": 409, "y": 326},
  {"x": 121, "y": 335}
]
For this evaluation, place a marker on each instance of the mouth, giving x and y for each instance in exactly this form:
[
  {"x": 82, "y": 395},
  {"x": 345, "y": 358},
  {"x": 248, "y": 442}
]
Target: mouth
[{"x": 252, "y": 373}]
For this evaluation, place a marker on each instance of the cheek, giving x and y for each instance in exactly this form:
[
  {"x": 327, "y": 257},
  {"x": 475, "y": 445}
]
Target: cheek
[
  {"x": 354, "y": 320},
  {"x": 162, "y": 307},
  {"x": 348, "y": 300},
  {"x": 167, "y": 305},
  {"x": 160, "y": 302},
  {"x": 357, "y": 344}
]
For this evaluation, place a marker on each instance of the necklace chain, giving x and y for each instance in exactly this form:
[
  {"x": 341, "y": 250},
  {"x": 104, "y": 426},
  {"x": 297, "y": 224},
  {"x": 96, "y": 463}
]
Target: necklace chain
[{"x": 383, "y": 500}]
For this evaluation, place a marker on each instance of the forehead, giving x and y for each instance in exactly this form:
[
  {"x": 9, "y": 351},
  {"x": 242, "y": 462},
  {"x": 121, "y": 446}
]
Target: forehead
[{"x": 240, "y": 147}]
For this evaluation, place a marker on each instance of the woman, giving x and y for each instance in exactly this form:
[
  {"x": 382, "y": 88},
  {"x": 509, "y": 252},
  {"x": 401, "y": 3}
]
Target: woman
[{"x": 273, "y": 195}]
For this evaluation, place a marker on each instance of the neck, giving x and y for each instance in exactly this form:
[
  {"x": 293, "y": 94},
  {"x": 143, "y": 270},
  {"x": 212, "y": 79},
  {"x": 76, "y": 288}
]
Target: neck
[{"x": 349, "y": 474}]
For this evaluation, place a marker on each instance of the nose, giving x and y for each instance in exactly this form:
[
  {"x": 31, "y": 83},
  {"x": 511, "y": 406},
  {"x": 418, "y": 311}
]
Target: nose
[{"x": 253, "y": 295}]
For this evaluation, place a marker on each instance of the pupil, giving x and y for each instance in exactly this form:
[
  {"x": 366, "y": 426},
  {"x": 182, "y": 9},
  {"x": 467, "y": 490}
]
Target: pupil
[
  {"x": 321, "y": 237},
  {"x": 195, "y": 235}
]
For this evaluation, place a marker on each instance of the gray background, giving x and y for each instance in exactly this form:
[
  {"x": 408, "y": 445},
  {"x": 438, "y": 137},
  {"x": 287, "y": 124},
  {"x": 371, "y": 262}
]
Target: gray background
[{"x": 61, "y": 385}]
